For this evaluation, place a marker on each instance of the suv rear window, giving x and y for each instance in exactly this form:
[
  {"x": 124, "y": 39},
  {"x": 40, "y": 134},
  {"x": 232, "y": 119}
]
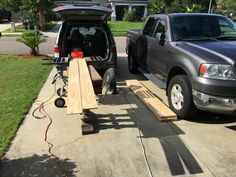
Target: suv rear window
[
  {"x": 85, "y": 30},
  {"x": 90, "y": 38}
]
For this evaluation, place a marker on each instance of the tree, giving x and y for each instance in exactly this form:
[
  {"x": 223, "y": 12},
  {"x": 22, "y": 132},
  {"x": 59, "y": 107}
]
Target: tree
[
  {"x": 33, "y": 8},
  {"x": 157, "y": 7},
  {"x": 11, "y": 4},
  {"x": 227, "y": 7},
  {"x": 169, "y": 6},
  {"x": 194, "y": 8}
]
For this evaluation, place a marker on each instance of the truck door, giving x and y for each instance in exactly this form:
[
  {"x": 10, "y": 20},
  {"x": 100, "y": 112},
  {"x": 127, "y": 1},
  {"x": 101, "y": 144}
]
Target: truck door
[
  {"x": 143, "y": 41},
  {"x": 157, "y": 50}
]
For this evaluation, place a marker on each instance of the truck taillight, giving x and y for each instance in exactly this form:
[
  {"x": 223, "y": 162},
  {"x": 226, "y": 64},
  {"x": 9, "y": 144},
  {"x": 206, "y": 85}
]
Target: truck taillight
[{"x": 56, "y": 51}]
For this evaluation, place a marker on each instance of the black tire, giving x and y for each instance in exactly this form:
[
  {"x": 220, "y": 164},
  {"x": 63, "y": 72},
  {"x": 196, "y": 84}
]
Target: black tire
[
  {"x": 63, "y": 92},
  {"x": 109, "y": 81},
  {"x": 59, "y": 102},
  {"x": 184, "y": 109},
  {"x": 132, "y": 63}
]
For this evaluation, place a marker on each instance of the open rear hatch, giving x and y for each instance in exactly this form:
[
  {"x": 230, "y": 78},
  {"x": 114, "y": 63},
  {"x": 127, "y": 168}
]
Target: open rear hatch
[{"x": 83, "y": 13}]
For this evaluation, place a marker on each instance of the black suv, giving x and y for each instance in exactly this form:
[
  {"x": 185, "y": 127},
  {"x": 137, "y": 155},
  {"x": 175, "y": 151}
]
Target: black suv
[
  {"x": 84, "y": 27},
  {"x": 4, "y": 14}
]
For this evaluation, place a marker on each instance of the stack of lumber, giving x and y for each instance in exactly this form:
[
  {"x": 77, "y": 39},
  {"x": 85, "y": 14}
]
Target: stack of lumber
[
  {"x": 161, "y": 111},
  {"x": 81, "y": 94}
]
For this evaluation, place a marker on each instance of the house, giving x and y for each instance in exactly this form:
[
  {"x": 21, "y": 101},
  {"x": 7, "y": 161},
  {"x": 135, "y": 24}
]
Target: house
[{"x": 140, "y": 7}]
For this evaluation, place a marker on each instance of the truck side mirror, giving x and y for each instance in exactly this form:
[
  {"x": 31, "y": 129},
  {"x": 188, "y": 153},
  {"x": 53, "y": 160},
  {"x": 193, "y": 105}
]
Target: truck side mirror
[
  {"x": 162, "y": 40},
  {"x": 0, "y": 34}
]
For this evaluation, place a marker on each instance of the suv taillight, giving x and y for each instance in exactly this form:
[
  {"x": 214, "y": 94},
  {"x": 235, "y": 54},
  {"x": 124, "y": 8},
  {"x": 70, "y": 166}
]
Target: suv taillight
[{"x": 56, "y": 51}]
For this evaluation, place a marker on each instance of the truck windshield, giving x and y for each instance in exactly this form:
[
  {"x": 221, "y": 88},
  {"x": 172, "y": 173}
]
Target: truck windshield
[{"x": 202, "y": 27}]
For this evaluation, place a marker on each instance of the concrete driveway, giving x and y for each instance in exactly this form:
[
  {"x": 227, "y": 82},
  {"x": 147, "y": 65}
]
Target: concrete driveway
[
  {"x": 203, "y": 146},
  {"x": 44, "y": 48}
]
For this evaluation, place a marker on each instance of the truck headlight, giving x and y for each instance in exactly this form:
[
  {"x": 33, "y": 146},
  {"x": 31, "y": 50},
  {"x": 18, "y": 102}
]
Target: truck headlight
[{"x": 217, "y": 71}]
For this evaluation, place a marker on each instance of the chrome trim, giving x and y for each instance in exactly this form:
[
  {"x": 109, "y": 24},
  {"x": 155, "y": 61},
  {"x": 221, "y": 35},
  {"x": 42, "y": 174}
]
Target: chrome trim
[{"x": 224, "y": 105}]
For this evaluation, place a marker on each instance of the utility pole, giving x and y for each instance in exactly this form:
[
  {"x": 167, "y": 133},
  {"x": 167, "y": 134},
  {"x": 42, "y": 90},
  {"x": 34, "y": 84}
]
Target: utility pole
[{"x": 209, "y": 9}]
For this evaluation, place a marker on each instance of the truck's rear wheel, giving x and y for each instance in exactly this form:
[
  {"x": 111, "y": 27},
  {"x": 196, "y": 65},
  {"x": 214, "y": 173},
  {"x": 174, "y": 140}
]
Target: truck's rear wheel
[
  {"x": 131, "y": 63},
  {"x": 180, "y": 97}
]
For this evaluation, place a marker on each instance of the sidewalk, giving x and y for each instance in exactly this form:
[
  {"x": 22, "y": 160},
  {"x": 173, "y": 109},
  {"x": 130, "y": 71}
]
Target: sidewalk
[
  {"x": 5, "y": 26},
  {"x": 51, "y": 33}
]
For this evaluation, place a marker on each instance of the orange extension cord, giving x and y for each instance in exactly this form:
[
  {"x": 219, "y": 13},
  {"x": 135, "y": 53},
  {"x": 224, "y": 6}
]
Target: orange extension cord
[{"x": 44, "y": 114}]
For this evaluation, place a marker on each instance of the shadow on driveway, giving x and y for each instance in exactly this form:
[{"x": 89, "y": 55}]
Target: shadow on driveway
[
  {"x": 37, "y": 165},
  {"x": 177, "y": 154}
]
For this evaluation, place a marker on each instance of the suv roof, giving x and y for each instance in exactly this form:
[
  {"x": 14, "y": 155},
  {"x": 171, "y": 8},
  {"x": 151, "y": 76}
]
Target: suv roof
[{"x": 83, "y": 12}]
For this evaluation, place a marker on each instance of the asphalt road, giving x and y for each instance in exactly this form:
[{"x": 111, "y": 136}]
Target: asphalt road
[
  {"x": 8, "y": 45},
  {"x": 202, "y": 147}
]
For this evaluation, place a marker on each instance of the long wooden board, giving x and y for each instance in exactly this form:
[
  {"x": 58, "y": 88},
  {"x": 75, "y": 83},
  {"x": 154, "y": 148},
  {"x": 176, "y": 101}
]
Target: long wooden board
[
  {"x": 88, "y": 97},
  {"x": 96, "y": 79},
  {"x": 162, "y": 112},
  {"x": 74, "y": 105}
]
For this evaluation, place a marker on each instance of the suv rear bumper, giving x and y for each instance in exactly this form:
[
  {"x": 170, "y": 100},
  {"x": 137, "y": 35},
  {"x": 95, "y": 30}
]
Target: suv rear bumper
[{"x": 216, "y": 104}]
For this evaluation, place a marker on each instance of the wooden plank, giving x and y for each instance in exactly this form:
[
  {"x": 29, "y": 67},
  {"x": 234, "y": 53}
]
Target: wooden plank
[
  {"x": 162, "y": 111},
  {"x": 88, "y": 96},
  {"x": 96, "y": 79},
  {"x": 74, "y": 105}
]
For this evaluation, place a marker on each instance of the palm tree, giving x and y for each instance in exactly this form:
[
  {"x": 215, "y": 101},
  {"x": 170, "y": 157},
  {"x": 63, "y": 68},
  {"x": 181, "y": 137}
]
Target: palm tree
[
  {"x": 39, "y": 7},
  {"x": 31, "y": 40}
]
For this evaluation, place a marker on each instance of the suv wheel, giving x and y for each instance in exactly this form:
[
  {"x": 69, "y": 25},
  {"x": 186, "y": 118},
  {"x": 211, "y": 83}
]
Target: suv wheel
[
  {"x": 131, "y": 63},
  {"x": 180, "y": 97},
  {"x": 109, "y": 82}
]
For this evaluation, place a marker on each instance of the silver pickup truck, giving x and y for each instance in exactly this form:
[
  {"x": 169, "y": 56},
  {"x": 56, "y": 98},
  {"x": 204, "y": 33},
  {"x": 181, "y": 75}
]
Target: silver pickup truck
[{"x": 192, "y": 56}]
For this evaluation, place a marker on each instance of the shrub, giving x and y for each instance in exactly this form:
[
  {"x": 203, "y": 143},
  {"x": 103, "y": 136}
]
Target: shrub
[
  {"x": 32, "y": 40},
  {"x": 128, "y": 16},
  {"x": 194, "y": 9}
]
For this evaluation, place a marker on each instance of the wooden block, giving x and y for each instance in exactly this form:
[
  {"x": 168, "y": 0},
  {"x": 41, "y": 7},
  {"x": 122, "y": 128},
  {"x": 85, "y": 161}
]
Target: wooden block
[
  {"x": 87, "y": 128},
  {"x": 88, "y": 97},
  {"x": 162, "y": 112},
  {"x": 74, "y": 104}
]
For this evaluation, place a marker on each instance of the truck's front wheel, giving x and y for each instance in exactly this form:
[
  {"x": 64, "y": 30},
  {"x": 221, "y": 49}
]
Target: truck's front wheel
[
  {"x": 131, "y": 63},
  {"x": 180, "y": 97}
]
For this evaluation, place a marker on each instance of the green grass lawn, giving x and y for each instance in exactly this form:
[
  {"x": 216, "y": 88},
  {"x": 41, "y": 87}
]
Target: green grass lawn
[
  {"x": 120, "y": 28},
  {"x": 21, "y": 29},
  {"x": 20, "y": 83}
]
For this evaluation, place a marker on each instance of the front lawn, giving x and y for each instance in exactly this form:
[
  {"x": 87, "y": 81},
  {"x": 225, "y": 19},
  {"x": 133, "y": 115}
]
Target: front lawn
[
  {"x": 20, "y": 83},
  {"x": 20, "y": 28},
  {"x": 120, "y": 28}
]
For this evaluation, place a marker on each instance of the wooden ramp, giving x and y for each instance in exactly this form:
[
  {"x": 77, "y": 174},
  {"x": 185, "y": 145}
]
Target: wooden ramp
[
  {"x": 161, "y": 111},
  {"x": 81, "y": 95}
]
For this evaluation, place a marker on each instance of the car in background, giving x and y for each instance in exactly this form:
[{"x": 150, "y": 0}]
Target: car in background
[{"x": 5, "y": 15}]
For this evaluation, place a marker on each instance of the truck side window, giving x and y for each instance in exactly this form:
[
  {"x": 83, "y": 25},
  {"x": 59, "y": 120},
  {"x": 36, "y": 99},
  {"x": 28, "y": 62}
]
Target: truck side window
[
  {"x": 161, "y": 28},
  {"x": 150, "y": 26}
]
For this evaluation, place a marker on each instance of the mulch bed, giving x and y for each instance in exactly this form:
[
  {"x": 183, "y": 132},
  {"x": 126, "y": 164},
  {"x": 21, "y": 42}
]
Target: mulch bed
[{"x": 28, "y": 56}]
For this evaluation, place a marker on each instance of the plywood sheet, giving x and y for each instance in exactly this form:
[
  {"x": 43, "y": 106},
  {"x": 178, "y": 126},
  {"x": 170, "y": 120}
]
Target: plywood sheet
[{"x": 162, "y": 112}]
